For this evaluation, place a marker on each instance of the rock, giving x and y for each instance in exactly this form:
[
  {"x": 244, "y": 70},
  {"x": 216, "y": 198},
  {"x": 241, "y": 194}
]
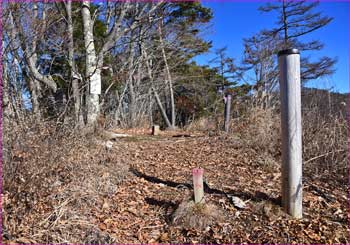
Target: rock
[
  {"x": 237, "y": 202},
  {"x": 57, "y": 183},
  {"x": 109, "y": 144}
]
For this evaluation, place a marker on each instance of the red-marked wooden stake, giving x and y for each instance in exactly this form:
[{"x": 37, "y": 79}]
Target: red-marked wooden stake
[{"x": 198, "y": 185}]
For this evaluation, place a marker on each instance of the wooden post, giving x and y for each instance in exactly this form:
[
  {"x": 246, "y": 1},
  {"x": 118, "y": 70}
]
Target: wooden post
[
  {"x": 155, "y": 130},
  {"x": 289, "y": 68},
  {"x": 227, "y": 100},
  {"x": 198, "y": 185}
]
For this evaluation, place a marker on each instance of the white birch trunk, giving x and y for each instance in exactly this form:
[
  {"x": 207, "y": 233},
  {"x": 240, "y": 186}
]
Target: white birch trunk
[{"x": 93, "y": 71}]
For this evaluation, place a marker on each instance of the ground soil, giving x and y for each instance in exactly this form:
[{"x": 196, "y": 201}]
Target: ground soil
[
  {"x": 142, "y": 206},
  {"x": 161, "y": 179}
]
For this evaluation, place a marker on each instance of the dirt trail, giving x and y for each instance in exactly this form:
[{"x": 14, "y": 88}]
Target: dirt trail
[{"x": 141, "y": 210}]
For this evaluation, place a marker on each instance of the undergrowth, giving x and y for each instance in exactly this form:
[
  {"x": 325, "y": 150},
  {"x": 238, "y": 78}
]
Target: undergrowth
[{"x": 53, "y": 181}]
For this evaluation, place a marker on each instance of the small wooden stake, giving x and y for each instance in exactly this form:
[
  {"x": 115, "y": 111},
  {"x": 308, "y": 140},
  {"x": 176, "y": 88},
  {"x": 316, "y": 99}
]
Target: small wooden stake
[
  {"x": 155, "y": 130},
  {"x": 198, "y": 185}
]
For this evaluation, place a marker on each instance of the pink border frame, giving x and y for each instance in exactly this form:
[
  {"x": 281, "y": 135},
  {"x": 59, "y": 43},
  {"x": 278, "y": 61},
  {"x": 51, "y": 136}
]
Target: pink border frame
[{"x": 218, "y": 1}]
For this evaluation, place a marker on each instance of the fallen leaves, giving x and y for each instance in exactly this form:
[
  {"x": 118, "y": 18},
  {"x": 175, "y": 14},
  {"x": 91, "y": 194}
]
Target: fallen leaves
[
  {"x": 140, "y": 209},
  {"x": 172, "y": 161}
]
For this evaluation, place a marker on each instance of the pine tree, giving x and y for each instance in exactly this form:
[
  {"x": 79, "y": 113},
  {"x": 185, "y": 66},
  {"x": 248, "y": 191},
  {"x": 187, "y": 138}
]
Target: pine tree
[{"x": 296, "y": 19}]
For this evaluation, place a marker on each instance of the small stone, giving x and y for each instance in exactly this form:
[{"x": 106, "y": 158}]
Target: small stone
[
  {"x": 109, "y": 144},
  {"x": 237, "y": 202},
  {"x": 56, "y": 183}
]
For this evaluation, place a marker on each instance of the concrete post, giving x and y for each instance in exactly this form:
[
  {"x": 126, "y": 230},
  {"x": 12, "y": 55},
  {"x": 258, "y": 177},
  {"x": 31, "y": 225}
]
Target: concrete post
[
  {"x": 289, "y": 74},
  {"x": 227, "y": 99},
  {"x": 155, "y": 130},
  {"x": 198, "y": 187}
]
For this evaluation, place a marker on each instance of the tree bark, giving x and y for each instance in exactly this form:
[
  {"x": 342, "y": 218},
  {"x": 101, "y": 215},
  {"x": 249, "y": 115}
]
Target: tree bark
[
  {"x": 132, "y": 96},
  {"x": 75, "y": 77},
  {"x": 34, "y": 97},
  {"x": 285, "y": 24},
  {"x": 93, "y": 70},
  {"x": 170, "y": 80},
  {"x": 156, "y": 95},
  {"x": 6, "y": 104},
  {"x": 29, "y": 53}
]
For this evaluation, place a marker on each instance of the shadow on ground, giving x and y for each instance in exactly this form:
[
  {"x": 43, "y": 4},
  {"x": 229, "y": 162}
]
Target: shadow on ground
[{"x": 258, "y": 197}]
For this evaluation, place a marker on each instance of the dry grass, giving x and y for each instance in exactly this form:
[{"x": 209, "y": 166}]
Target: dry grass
[
  {"x": 325, "y": 142},
  {"x": 190, "y": 215},
  {"x": 55, "y": 180},
  {"x": 259, "y": 129},
  {"x": 53, "y": 183},
  {"x": 325, "y": 137},
  {"x": 203, "y": 124}
]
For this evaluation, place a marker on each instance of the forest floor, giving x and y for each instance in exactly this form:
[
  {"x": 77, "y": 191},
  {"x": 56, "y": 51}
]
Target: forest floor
[
  {"x": 161, "y": 169},
  {"x": 144, "y": 207}
]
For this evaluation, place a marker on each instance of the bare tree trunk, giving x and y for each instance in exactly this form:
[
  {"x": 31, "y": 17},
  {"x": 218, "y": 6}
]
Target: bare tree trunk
[
  {"x": 93, "y": 71},
  {"x": 34, "y": 97},
  {"x": 116, "y": 112},
  {"x": 32, "y": 84},
  {"x": 75, "y": 77},
  {"x": 132, "y": 96},
  {"x": 156, "y": 95},
  {"x": 132, "y": 108},
  {"x": 285, "y": 24},
  {"x": 170, "y": 80},
  {"x": 161, "y": 108},
  {"x": 6, "y": 105},
  {"x": 29, "y": 53},
  {"x": 150, "y": 108}
]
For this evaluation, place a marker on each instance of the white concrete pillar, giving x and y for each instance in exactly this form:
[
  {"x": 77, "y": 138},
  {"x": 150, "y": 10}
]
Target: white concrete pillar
[
  {"x": 289, "y": 74},
  {"x": 155, "y": 130}
]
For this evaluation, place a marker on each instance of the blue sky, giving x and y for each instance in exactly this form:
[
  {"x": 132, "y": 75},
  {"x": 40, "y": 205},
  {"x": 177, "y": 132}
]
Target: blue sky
[{"x": 235, "y": 20}]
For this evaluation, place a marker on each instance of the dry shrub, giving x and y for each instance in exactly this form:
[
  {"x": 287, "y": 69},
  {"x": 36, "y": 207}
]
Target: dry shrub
[
  {"x": 190, "y": 215},
  {"x": 325, "y": 141},
  {"x": 53, "y": 183},
  {"x": 267, "y": 161},
  {"x": 259, "y": 129},
  {"x": 202, "y": 124},
  {"x": 325, "y": 138}
]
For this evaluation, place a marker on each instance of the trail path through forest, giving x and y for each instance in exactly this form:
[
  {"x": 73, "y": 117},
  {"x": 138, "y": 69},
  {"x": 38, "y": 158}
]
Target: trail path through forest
[{"x": 142, "y": 209}]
